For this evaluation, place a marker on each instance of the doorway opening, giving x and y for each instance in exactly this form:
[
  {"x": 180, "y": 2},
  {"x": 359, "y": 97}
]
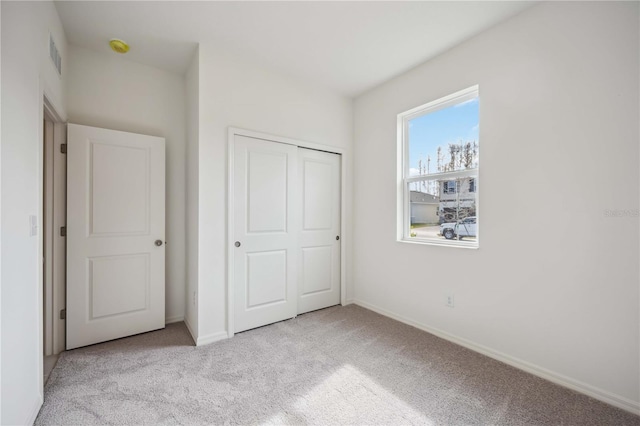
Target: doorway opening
[{"x": 54, "y": 176}]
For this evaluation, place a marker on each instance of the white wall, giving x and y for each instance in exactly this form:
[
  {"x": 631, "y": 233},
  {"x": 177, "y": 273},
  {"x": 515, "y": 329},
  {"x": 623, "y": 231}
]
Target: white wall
[
  {"x": 109, "y": 91},
  {"x": 555, "y": 282},
  {"x": 27, "y": 73},
  {"x": 1, "y": 236},
  {"x": 240, "y": 94},
  {"x": 192, "y": 87}
]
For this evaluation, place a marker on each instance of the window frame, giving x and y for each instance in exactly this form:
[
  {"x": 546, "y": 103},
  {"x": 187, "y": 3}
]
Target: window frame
[{"x": 404, "y": 178}]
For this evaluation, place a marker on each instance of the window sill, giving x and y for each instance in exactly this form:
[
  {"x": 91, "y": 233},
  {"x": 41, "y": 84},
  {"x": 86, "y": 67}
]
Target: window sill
[{"x": 456, "y": 244}]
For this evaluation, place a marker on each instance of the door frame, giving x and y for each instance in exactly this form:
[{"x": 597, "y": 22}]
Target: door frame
[
  {"x": 55, "y": 112},
  {"x": 232, "y": 133},
  {"x": 54, "y": 216}
]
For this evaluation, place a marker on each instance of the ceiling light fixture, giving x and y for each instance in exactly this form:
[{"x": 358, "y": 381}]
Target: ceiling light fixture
[{"x": 118, "y": 45}]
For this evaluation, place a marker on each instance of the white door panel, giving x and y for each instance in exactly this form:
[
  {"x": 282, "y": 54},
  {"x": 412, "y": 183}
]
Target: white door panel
[
  {"x": 318, "y": 191},
  {"x": 265, "y": 229},
  {"x": 118, "y": 284},
  {"x": 115, "y": 214},
  {"x": 316, "y": 269},
  {"x": 267, "y": 199},
  {"x": 119, "y": 190},
  {"x": 266, "y": 278},
  {"x": 319, "y": 275}
]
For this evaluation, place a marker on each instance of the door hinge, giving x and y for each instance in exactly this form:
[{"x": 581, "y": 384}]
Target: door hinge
[
  {"x": 63, "y": 231},
  {"x": 63, "y": 314},
  {"x": 63, "y": 148}
]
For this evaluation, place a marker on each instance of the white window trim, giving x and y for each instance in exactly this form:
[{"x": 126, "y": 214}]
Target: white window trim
[{"x": 403, "y": 179}]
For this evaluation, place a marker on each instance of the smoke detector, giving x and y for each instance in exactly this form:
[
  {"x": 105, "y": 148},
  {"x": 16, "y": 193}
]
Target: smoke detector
[{"x": 118, "y": 45}]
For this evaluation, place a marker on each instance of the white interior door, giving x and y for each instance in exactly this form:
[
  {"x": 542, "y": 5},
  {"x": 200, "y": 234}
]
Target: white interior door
[
  {"x": 265, "y": 232},
  {"x": 319, "y": 271},
  {"x": 115, "y": 234}
]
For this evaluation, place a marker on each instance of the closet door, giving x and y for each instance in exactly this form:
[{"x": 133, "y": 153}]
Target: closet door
[
  {"x": 266, "y": 228},
  {"x": 319, "y": 252}
]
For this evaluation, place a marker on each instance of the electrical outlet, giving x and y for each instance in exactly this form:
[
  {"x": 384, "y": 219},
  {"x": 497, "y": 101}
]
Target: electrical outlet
[{"x": 449, "y": 300}]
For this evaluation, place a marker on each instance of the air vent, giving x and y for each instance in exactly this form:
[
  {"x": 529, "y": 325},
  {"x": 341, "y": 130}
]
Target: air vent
[{"x": 55, "y": 55}]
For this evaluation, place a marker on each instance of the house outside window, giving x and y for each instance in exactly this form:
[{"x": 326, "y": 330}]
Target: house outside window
[
  {"x": 438, "y": 164},
  {"x": 457, "y": 204}
]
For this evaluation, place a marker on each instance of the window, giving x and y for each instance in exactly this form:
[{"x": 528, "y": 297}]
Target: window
[
  {"x": 450, "y": 187},
  {"x": 438, "y": 164}
]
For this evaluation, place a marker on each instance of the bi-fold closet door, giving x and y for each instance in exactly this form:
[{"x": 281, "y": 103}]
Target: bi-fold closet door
[{"x": 286, "y": 231}]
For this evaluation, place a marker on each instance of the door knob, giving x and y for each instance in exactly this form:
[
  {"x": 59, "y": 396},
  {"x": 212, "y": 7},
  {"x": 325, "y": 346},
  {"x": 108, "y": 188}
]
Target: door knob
[
  {"x": 337, "y": 237},
  {"x": 158, "y": 243},
  {"x": 237, "y": 244}
]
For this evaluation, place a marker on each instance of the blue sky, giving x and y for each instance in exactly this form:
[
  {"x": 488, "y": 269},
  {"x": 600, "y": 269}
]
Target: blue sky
[{"x": 453, "y": 124}]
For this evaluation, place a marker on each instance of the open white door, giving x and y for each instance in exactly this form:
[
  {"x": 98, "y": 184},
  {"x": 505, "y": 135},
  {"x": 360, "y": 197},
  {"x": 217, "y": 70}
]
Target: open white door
[
  {"x": 115, "y": 234},
  {"x": 266, "y": 224},
  {"x": 319, "y": 273}
]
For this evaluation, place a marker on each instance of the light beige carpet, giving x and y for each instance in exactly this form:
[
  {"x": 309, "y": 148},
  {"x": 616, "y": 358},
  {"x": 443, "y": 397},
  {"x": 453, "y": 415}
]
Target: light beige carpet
[{"x": 342, "y": 365}]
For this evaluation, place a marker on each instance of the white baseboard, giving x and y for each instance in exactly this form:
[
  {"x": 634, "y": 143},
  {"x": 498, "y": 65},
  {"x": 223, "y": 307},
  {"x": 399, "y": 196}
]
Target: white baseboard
[
  {"x": 193, "y": 335},
  {"x": 348, "y": 302},
  {"x": 35, "y": 410},
  {"x": 175, "y": 318},
  {"x": 562, "y": 380},
  {"x": 210, "y": 338},
  {"x": 205, "y": 340}
]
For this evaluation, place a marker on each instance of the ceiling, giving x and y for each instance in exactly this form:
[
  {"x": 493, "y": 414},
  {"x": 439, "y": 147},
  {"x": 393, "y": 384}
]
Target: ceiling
[{"x": 348, "y": 47}]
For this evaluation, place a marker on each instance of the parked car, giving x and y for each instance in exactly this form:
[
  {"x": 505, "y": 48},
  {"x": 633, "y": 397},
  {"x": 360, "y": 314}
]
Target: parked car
[{"x": 463, "y": 228}]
